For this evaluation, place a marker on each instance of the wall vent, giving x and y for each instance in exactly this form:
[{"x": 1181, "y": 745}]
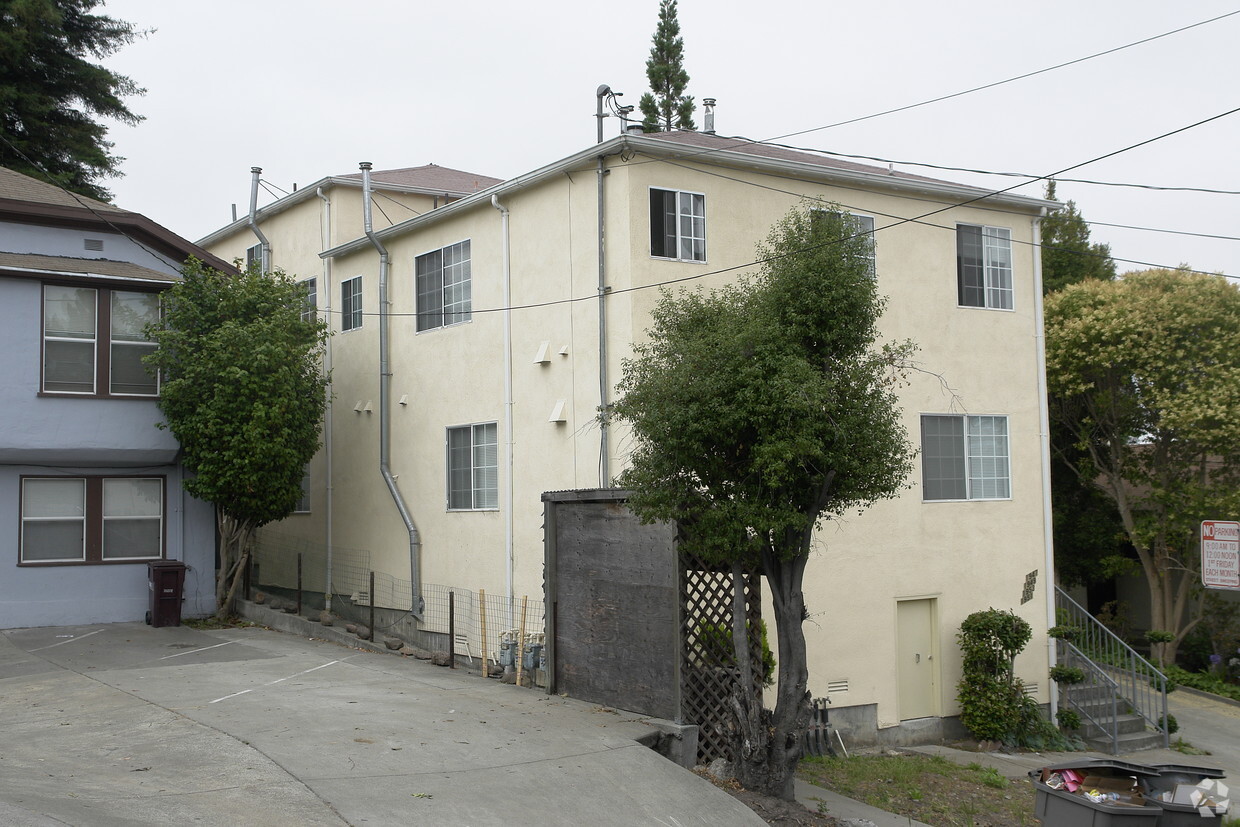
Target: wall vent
[
  {"x": 837, "y": 686},
  {"x": 1031, "y": 689},
  {"x": 95, "y": 245}
]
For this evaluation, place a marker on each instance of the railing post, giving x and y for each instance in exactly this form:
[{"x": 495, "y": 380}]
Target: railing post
[
  {"x": 451, "y": 629},
  {"x": 299, "y": 584},
  {"x": 372, "y": 605}
]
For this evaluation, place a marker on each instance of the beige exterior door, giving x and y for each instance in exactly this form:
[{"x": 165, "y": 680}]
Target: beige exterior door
[{"x": 917, "y": 666}]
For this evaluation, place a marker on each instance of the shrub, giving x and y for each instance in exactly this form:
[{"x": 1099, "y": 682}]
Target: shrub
[
  {"x": 1067, "y": 675},
  {"x": 1068, "y": 719}
]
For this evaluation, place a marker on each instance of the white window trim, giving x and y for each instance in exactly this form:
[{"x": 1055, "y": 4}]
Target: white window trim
[
  {"x": 358, "y": 311},
  {"x": 873, "y": 231},
  {"x": 469, "y": 314},
  {"x": 964, "y": 418},
  {"x": 94, "y": 522},
  {"x": 705, "y": 246},
  {"x": 310, "y": 311},
  {"x": 448, "y": 466},
  {"x": 986, "y": 270}
]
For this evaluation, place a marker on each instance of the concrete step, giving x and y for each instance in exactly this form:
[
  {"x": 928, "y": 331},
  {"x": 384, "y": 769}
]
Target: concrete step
[
  {"x": 1130, "y": 742},
  {"x": 1125, "y": 724}
]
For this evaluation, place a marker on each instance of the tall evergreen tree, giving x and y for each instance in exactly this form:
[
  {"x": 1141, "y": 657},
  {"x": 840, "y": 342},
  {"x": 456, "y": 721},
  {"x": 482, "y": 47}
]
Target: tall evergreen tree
[
  {"x": 666, "y": 106},
  {"x": 1068, "y": 257},
  {"x": 51, "y": 94}
]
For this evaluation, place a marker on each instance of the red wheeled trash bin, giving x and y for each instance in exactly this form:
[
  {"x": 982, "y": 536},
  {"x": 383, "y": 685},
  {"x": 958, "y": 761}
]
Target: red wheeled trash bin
[{"x": 166, "y": 581}]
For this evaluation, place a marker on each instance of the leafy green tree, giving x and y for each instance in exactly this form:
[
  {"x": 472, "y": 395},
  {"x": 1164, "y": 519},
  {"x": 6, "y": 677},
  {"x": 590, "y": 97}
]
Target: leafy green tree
[
  {"x": 757, "y": 412},
  {"x": 666, "y": 106},
  {"x": 51, "y": 94},
  {"x": 1144, "y": 373},
  {"x": 1068, "y": 256},
  {"x": 244, "y": 394},
  {"x": 1090, "y": 543}
]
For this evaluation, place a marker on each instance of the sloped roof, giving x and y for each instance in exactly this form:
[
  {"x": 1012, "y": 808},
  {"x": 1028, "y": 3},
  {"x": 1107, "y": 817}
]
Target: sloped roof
[
  {"x": 29, "y": 201},
  {"x": 43, "y": 266},
  {"x": 20, "y": 187},
  {"x": 429, "y": 177},
  {"x": 720, "y": 143}
]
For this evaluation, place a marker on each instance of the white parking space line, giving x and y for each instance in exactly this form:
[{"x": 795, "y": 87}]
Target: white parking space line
[
  {"x": 63, "y": 642},
  {"x": 277, "y": 680},
  {"x": 196, "y": 651}
]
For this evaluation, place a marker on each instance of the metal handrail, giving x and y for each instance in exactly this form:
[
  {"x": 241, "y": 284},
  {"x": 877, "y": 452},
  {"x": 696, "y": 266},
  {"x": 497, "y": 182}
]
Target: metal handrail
[
  {"x": 1095, "y": 678},
  {"x": 1137, "y": 681}
]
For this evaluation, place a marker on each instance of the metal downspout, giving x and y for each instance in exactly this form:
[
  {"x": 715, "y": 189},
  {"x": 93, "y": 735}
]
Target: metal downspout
[
  {"x": 255, "y": 172},
  {"x": 385, "y": 388},
  {"x": 325, "y": 234},
  {"x": 604, "y": 417},
  {"x": 1044, "y": 429},
  {"x": 508, "y": 427}
]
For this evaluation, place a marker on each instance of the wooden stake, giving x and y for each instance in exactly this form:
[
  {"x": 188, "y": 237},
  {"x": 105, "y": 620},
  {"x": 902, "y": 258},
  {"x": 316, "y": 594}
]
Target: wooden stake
[
  {"x": 482, "y": 607},
  {"x": 521, "y": 640}
]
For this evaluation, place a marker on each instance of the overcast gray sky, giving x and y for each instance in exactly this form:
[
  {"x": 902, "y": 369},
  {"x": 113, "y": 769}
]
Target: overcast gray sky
[{"x": 309, "y": 89}]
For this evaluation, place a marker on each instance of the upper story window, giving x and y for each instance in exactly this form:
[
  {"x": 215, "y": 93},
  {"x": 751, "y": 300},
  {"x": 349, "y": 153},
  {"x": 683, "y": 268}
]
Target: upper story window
[
  {"x": 351, "y": 303},
  {"x": 965, "y": 458},
  {"x": 254, "y": 255},
  {"x": 94, "y": 341},
  {"x": 677, "y": 225},
  {"x": 91, "y": 519},
  {"x": 473, "y": 467},
  {"x": 855, "y": 225},
  {"x": 444, "y": 288},
  {"x": 984, "y": 266},
  {"x": 309, "y": 310}
]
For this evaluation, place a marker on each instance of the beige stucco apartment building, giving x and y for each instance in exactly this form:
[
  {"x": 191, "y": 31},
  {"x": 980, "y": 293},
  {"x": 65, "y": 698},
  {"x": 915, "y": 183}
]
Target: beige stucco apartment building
[{"x": 512, "y": 305}]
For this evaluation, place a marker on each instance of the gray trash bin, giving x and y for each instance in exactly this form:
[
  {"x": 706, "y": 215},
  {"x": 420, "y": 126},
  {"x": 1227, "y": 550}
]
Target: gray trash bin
[
  {"x": 1064, "y": 808},
  {"x": 1176, "y": 777}
]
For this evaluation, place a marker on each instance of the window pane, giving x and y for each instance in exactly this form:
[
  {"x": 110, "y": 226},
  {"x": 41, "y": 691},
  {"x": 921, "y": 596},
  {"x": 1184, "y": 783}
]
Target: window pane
[
  {"x": 988, "y": 458},
  {"x": 460, "y": 479},
  {"x": 130, "y": 538},
  {"x": 662, "y": 223},
  {"x": 351, "y": 303},
  {"x": 133, "y": 498},
  {"x": 45, "y": 540},
  {"x": 129, "y": 375},
  {"x": 429, "y": 275},
  {"x": 486, "y": 467},
  {"x": 69, "y": 312},
  {"x": 53, "y": 498},
  {"x": 131, "y": 313},
  {"x": 308, "y": 310},
  {"x": 943, "y": 459},
  {"x": 457, "y": 298},
  {"x": 998, "y": 254},
  {"x": 970, "y": 267},
  {"x": 69, "y": 366}
]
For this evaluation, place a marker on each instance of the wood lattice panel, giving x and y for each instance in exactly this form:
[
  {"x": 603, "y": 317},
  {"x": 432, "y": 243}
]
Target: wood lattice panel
[{"x": 707, "y": 669}]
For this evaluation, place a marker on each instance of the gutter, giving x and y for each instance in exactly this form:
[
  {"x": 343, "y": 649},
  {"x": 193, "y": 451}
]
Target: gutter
[
  {"x": 508, "y": 428},
  {"x": 385, "y": 392},
  {"x": 253, "y": 220}
]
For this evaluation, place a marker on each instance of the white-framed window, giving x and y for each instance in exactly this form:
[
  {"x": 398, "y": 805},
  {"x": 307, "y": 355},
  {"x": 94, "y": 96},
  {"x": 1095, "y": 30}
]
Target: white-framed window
[
  {"x": 351, "y": 303},
  {"x": 965, "y": 457},
  {"x": 91, "y": 519},
  {"x": 677, "y": 225},
  {"x": 857, "y": 224},
  {"x": 310, "y": 299},
  {"x": 77, "y": 359},
  {"x": 444, "y": 286},
  {"x": 254, "y": 255},
  {"x": 473, "y": 467},
  {"x": 984, "y": 266}
]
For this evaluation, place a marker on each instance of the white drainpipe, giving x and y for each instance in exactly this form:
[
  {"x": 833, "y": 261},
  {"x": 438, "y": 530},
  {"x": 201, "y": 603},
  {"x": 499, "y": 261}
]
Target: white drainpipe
[
  {"x": 255, "y": 172},
  {"x": 1048, "y": 525},
  {"x": 385, "y": 392},
  {"x": 508, "y": 439},
  {"x": 325, "y": 235}
]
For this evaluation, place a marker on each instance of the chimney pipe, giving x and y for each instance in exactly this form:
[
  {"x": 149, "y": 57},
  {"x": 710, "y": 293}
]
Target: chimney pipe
[{"x": 708, "y": 106}]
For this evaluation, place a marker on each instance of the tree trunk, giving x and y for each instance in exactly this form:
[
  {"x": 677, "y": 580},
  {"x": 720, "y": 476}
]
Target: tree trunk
[
  {"x": 235, "y": 537},
  {"x": 770, "y": 743}
]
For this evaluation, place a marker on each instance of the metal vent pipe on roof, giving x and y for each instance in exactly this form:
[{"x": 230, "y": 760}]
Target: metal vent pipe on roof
[
  {"x": 255, "y": 172},
  {"x": 385, "y": 393},
  {"x": 708, "y": 117}
]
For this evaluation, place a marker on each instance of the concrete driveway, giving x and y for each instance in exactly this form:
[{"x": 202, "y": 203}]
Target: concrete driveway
[{"x": 125, "y": 724}]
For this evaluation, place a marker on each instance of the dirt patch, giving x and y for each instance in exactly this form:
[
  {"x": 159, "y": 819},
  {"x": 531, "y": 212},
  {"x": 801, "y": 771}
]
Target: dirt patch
[{"x": 770, "y": 809}]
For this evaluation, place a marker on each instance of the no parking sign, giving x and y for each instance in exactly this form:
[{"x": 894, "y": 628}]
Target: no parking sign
[{"x": 1220, "y": 554}]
